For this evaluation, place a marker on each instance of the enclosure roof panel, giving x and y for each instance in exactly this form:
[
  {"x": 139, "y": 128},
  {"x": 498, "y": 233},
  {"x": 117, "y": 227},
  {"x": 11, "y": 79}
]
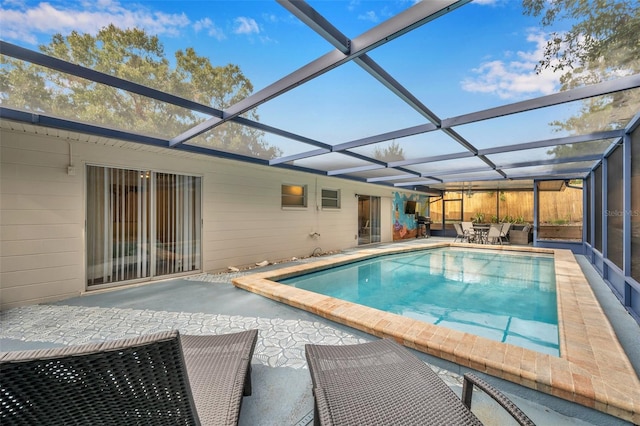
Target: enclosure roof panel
[{"x": 409, "y": 95}]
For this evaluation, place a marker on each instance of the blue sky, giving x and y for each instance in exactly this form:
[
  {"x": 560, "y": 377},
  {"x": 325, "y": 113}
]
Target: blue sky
[{"x": 479, "y": 56}]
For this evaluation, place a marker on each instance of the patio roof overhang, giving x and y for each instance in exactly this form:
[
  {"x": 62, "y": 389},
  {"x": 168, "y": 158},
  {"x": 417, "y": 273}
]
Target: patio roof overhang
[{"x": 441, "y": 153}]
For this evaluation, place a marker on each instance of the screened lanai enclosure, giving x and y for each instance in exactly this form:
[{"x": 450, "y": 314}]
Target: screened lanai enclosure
[{"x": 495, "y": 111}]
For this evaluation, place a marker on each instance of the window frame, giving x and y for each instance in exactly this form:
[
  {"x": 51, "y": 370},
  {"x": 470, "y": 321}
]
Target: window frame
[
  {"x": 337, "y": 199},
  {"x": 303, "y": 197}
]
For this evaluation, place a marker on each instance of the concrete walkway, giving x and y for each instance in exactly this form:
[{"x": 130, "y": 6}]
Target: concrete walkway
[{"x": 209, "y": 304}]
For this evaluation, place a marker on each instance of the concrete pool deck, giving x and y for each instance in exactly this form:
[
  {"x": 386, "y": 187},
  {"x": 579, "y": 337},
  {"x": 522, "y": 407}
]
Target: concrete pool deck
[{"x": 593, "y": 369}]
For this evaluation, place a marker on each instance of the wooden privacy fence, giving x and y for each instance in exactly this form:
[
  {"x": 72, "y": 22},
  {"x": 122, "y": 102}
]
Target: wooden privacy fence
[{"x": 555, "y": 207}]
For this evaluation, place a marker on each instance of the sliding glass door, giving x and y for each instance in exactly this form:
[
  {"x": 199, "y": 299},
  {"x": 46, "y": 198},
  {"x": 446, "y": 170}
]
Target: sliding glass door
[
  {"x": 141, "y": 224},
  {"x": 368, "y": 219}
]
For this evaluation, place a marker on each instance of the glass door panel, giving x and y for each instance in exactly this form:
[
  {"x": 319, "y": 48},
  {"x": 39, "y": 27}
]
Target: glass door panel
[
  {"x": 368, "y": 219},
  {"x": 364, "y": 219},
  {"x": 117, "y": 225},
  {"x": 375, "y": 219},
  {"x": 177, "y": 223}
]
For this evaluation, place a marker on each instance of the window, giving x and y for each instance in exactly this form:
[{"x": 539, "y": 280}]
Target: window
[
  {"x": 294, "y": 196},
  {"x": 331, "y": 198}
]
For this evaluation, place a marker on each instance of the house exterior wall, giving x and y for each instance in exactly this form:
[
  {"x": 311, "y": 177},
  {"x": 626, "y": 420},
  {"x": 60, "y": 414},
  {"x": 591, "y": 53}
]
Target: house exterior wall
[
  {"x": 42, "y": 210},
  {"x": 41, "y": 221}
]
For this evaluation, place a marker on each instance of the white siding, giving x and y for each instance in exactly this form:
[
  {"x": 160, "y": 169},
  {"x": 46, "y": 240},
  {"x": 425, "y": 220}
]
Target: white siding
[
  {"x": 41, "y": 218},
  {"x": 42, "y": 210}
]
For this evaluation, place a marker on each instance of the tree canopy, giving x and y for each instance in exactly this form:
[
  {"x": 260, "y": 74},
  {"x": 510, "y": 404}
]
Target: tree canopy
[
  {"x": 135, "y": 56},
  {"x": 602, "y": 44},
  {"x": 393, "y": 152}
]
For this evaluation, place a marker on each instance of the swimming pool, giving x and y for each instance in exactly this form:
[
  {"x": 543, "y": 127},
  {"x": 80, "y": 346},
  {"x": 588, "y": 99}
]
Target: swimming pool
[
  {"x": 508, "y": 297},
  {"x": 592, "y": 368}
]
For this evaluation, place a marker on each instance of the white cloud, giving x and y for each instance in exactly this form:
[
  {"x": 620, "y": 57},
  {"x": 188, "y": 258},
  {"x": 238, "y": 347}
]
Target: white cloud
[
  {"x": 270, "y": 17},
  {"x": 202, "y": 24},
  {"x": 486, "y": 2},
  {"x": 246, "y": 25},
  {"x": 26, "y": 24},
  {"x": 369, "y": 16},
  {"x": 515, "y": 78},
  {"x": 353, "y": 4},
  {"x": 211, "y": 28}
]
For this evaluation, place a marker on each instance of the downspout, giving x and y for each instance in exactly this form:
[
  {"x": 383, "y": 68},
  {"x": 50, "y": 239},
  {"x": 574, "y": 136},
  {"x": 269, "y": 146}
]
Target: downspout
[{"x": 71, "y": 170}]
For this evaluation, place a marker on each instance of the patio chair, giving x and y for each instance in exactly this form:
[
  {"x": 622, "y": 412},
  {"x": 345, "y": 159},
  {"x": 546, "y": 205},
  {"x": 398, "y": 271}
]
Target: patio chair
[
  {"x": 504, "y": 232},
  {"x": 159, "y": 379},
  {"x": 471, "y": 234},
  {"x": 459, "y": 233},
  {"x": 382, "y": 383},
  {"x": 495, "y": 233},
  {"x": 365, "y": 229}
]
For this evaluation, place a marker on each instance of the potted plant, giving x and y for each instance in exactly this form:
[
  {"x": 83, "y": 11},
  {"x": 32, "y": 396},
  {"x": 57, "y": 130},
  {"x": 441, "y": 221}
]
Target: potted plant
[{"x": 478, "y": 218}]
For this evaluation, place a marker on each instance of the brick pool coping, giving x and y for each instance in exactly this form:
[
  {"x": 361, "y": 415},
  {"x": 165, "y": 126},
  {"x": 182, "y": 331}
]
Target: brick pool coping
[{"x": 592, "y": 370}]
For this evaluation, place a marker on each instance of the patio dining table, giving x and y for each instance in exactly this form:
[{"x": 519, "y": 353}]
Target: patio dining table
[{"x": 481, "y": 230}]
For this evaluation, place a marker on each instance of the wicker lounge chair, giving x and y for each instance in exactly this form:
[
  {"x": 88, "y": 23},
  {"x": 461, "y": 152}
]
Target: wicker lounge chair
[
  {"x": 160, "y": 379},
  {"x": 382, "y": 383}
]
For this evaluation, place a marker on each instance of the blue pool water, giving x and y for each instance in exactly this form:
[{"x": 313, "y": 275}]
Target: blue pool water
[{"x": 501, "y": 295}]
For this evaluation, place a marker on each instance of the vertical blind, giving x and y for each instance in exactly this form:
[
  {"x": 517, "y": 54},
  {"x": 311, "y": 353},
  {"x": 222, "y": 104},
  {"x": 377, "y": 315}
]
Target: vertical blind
[
  {"x": 177, "y": 223},
  {"x": 375, "y": 219},
  {"x": 125, "y": 241}
]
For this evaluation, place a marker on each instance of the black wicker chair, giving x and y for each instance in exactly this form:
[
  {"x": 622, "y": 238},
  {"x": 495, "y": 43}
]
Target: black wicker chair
[
  {"x": 381, "y": 382},
  {"x": 160, "y": 379}
]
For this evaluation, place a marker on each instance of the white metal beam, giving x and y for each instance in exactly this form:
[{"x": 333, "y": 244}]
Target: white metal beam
[{"x": 599, "y": 89}]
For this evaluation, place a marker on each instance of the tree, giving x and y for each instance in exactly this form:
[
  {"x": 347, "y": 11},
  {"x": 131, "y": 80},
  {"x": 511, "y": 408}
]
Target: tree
[
  {"x": 604, "y": 37},
  {"x": 135, "y": 56},
  {"x": 602, "y": 44},
  {"x": 394, "y": 152},
  {"x": 22, "y": 86}
]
